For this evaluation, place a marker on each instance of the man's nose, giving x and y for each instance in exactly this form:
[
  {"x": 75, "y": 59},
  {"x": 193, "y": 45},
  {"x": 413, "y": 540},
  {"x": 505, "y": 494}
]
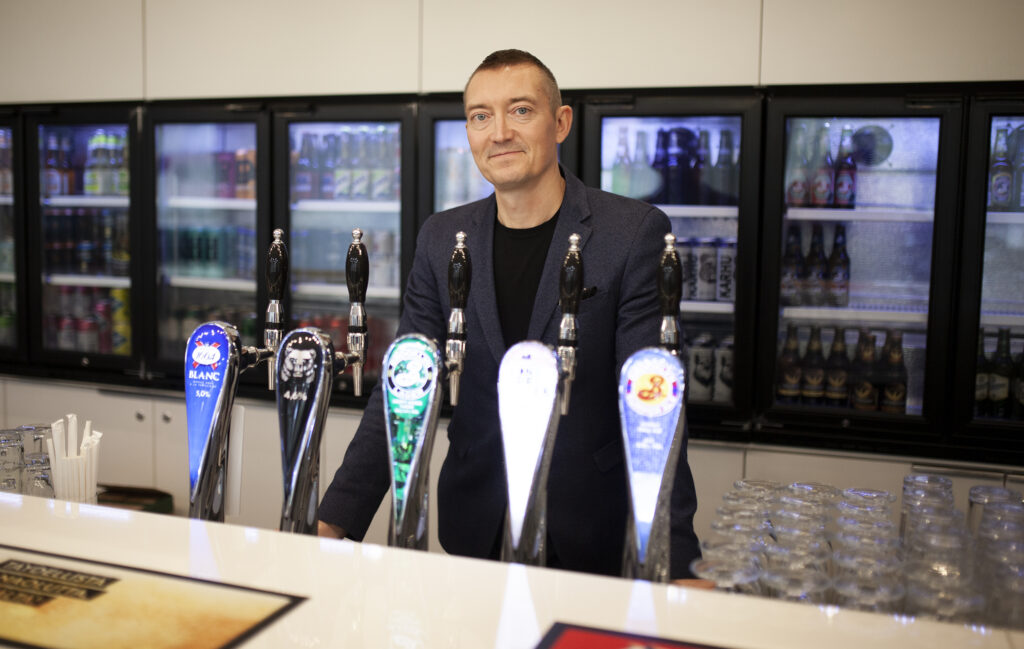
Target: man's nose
[{"x": 501, "y": 129}]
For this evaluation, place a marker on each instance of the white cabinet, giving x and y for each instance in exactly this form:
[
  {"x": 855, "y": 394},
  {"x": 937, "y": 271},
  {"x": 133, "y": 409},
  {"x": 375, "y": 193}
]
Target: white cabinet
[
  {"x": 53, "y": 50},
  {"x": 238, "y": 48},
  {"x": 715, "y": 467},
  {"x": 598, "y": 44}
]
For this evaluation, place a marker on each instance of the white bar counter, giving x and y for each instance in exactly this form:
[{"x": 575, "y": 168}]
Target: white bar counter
[{"x": 363, "y": 595}]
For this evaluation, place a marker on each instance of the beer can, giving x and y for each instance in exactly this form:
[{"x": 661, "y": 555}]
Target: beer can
[
  {"x": 88, "y": 335},
  {"x": 726, "y": 287},
  {"x": 705, "y": 251},
  {"x": 121, "y": 322},
  {"x": 723, "y": 371},
  {"x": 67, "y": 334},
  {"x": 688, "y": 262},
  {"x": 701, "y": 367}
]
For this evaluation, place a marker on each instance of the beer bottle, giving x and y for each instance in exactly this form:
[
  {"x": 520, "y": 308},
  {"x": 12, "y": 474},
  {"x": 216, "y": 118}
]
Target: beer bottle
[
  {"x": 104, "y": 168},
  {"x": 815, "y": 269},
  {"x": 788, "y": 371},
  {"x": 893, "y": 392},
  {"x": 640, "y": 185},
  {"x": 622, "y": 164},
  {"x": 837, "y": 372},
  {"x": 1000, "y": 373},
  {"x": 792, "y": 271},
  {"x": 382, "y": 169},
  {"x": 6, "y": 177},
  {"x": 1000, "y": 174},
  {"x": 325, "y": 173},
  {"x": 823, "y": 180},
  {"x": 660, "y": 164},
  {"x": 726, "y": 180},
  {"x": 812, "y": 381},
  {"x": 51, "y": 181},
  {"x": 343, "y": 168},
  {"x": 863, "y": 390},
  {"x": 1017, "y": 201},
  {"x": 798, "y": 171},
  {"x": 361, "y": 161},
  {"x": 676, "y": 169},
  {"x": 302, "y": 183},
  {"x": 700, "y": 179},
  {"x": 981, "y": 379},
  {"x": 846, "y": 171},
  {"x": 838, "y": 273},
  {"x": 68, "y": 179}
]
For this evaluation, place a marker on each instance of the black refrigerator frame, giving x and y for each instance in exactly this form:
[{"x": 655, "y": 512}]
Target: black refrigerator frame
[
  {"x": 371, "y": 109},
  {"x": 706, "y": 420},
  {"x": 820, "y": 427},
  {"x": 18, "y": 353},
  {"x": 165, "y": 372}
]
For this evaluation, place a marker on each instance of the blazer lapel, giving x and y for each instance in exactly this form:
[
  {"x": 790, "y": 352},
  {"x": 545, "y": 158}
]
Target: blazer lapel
[{"x": 483, "y": 298}]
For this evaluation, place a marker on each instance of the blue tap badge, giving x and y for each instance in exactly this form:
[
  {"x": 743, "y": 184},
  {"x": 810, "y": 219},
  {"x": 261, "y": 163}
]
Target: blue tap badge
[
  {"x": 650, "y": 401},
  {"x": 207, "y": 357}
]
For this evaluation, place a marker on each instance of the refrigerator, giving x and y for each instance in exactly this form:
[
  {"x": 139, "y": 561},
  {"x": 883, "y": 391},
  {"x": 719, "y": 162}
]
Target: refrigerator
[
  {"x": 860, "y": 216},
  {"x": 84, "y": 231},
  {"x": 11, "y": 297},
  {"x": 211, "y": 215},
  {"x": 989, "y": 377},
  {"x": 339, "y": 168},
  {"x": 697, "y": 159}
]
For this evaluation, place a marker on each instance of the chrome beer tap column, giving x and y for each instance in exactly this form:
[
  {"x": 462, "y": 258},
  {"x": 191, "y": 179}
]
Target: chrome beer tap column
[
  {"x": 652, "y": 408},
  {"x": 277, "y": 278},
  {"x": 357, "y": 277},
  {"x": 570, "y": 290},
  {"x": 460, "y": 272}
]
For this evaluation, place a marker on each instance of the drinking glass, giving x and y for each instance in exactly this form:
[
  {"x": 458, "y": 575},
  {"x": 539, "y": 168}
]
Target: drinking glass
[
  {"x": 36, "y": 477},
  {"x": 878, "y": 594},
  {"x": 731, "y": 575},
  {"x": 10, "y": 461},
  {"x": 796, "y": 585}
]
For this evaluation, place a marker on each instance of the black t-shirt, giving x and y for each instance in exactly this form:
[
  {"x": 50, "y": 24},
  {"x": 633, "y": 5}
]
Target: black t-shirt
[{"x": 518, "y": 263}]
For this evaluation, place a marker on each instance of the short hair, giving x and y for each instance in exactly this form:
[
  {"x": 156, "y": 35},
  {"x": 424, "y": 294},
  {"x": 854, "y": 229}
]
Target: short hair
[{"x": 504, "y": 58}]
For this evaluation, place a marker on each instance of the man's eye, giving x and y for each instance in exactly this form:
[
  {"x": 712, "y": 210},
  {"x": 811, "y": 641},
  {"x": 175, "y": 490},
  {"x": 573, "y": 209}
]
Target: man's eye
[{"x": 522, "y": 110}]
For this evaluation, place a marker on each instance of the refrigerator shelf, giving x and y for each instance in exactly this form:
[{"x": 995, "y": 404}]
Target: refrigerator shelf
[
  {"x": 340, "y": 291},
  {"x": 701, "y": 211},
  {"x": 877, "y": 214},
  {"x": 838, "y": 314},
  {"x": 86, "y": 201},
  {"x": 213, "y": 283},
  {"x": 88, "y": 280},
  {"x": 1012, "y": 320},
  {"x": 1005, "y": 218},
  {"x": 207, "y": 203},
  {"x": 6, "y": 199},
  {"x": 691, "y": 306},
  {"x": 7, "y": 278},
  {"x": 389, "y": 207}
]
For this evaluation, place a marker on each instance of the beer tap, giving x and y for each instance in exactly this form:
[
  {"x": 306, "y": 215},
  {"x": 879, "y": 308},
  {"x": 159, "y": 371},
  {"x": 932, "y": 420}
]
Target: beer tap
[
  {"x": 277, "y": 278},
  {"x": 357, "y": 277},
  {"x": 670, "y": 289},
  {"x": 570, "y": 288},
  {"x": 460, "y": 272}
]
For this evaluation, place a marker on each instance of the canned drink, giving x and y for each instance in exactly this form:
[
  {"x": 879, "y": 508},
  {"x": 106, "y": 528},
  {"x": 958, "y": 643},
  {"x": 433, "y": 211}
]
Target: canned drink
[
  {"x": 723, "y": 371},
  {"x": 726, "y": 287},
  {"x": 104, "y": 326},
  {"x": 688, "y": 262},
  {"x": 706, "y": 252},
  {"x": 67, "y": 334},
  {"x": 82, "y": 305},
  {"x": 88, "y": 338},
  {"x": 121, "y": 322},
  {"x": 701, "y": 379}
]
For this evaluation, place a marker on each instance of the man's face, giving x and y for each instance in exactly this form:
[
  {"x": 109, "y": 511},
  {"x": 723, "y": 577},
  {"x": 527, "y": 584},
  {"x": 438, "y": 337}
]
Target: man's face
[{"x": 512, "y": 130}]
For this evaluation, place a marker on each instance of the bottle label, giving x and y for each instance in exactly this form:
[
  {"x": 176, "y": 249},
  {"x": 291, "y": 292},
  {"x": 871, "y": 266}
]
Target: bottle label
[
  {"x": 789, "y": 385},
  {"x": 864, "y": 396},
  {"x": 894, "y": 398},
  {"x": 998, "y": 387},
  {"x": 302, "y": 185},
  {"x": 1000, "y": 188},
  {"x": 789, "y": 287},
  {"x": 822, "y": 188},
  {"x": 360, "y": 184},
  {"x": 835, "y": 385},
  {"x": 844, "y": 188},
  {"x": 813, "y": 383},
  {"x": 91, "y": 182},
  {"x": 380, "y": 184},
  {"x": 839, "y": 287},
  {"x": 342, "y": 182},
  {"x": 52, "y": 184},
  {"x": 796, "y": 193},
  {"x": 981, "y": 386}
]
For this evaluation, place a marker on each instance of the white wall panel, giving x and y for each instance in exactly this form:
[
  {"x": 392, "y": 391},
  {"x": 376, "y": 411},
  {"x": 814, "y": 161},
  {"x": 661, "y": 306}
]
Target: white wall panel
[
  {"x": 55, "y": 50},
  {"x": 264, "y": 48},
  {"x": 597, "y": 43},
  {"x": 793, "y": 465},
  {"x": 884, "y": 41}
]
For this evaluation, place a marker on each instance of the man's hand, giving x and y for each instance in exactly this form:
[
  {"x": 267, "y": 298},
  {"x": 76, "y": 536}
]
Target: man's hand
[{"x": 330, "y": 531}]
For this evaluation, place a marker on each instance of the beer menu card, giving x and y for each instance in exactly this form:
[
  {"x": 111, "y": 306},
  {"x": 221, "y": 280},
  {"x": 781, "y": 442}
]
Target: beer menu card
[
  {"x": 570, "y": 636},
  {"x": 50, "y": 601}
]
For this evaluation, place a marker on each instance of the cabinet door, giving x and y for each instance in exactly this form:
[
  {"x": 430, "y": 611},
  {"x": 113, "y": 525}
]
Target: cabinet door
[{"x": 171, "y": 451}]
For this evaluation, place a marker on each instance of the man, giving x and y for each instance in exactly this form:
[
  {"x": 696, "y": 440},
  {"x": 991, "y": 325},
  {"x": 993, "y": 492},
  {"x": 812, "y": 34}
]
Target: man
[{"x": 517, "y": 239}]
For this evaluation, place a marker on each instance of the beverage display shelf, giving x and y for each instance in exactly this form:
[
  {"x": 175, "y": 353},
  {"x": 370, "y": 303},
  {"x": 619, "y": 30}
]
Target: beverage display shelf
[
  {"x": 105, "y": 281},
  {"x": 701, "y": 211},
  {"x": 87, "y": 201},
  {"x": 854, "y": 314},
  {"x": 1012, "y": 320},
  {"x": 1005, "y": 218},
  {"x": 213, "y": 283},
  {"x": 877, "y": 214},
  {"x": 7, "y": 277},
  {"x": 341, "y": 206},
  {"x": 694, "y": 306},
  {"x": 6, "y": 199},
  {"x": 340, "y": 291},
  {"x": 210, "y": 203}
]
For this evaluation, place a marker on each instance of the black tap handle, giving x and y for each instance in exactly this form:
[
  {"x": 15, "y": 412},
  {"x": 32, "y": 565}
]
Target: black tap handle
[
  {"x": 571, "y": 284},
  {"x": 670, "y": 278},
  {"x": 357, "y": 268},
  {"x": 460, "y": 272},
  {"x": 277, "y": 267}
]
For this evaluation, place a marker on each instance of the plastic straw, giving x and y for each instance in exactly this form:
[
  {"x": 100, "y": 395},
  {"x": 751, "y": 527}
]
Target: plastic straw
[{"x": 72, "y": 435}]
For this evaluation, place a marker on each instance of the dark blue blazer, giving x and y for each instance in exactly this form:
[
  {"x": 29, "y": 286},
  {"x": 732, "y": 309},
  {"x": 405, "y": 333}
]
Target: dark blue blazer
[{"x": 621, "y": 242}]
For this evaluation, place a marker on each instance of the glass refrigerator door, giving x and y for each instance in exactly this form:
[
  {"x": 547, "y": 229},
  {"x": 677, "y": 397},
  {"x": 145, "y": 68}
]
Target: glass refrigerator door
[
  {"x": 345, "y": 175},
  {"x": 999, "y": 386},
  {"x": 457, "y": 180},
  {"x": 689, "y": 167},
  {"x": 856, "y": 262},
  {"x": 206, "y": 231},
  {"x": 8, "y": 278},
  {"x": 84, "y": 200}
]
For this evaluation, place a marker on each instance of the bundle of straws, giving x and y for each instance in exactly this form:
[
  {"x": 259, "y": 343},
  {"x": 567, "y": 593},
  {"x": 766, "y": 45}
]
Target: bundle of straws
[{"x": 73, "y": 466}]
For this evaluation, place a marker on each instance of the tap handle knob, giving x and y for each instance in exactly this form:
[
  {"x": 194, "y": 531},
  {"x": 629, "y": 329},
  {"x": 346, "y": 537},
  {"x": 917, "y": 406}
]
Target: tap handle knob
[
  {"x": 277, "y": 267},
  {"x": 571, "y": 284},
  {"x": 460, "y": 272},
  {"x": 670, "y": 278},
  {"x": 357, "y": 268}
]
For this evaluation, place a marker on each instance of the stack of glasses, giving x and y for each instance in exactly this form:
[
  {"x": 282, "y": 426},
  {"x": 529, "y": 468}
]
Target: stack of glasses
[
  {"x": 25, "y": 462},
  {"x": 811, "y": 542}
]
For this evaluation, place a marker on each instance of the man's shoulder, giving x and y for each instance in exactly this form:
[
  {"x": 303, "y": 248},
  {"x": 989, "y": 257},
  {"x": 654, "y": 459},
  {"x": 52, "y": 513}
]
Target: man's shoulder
[
  {"x": 606, "y": 205},
  {"x": 461, "y": 217}
]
